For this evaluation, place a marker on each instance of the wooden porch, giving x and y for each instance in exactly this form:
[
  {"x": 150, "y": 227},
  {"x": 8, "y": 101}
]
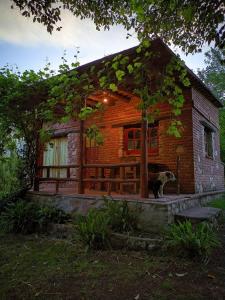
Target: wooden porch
[{"x": 94, "y": 179}]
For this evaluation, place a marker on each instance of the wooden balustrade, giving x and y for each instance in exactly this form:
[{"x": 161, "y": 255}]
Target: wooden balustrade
[{"x": 109, "y": 180}]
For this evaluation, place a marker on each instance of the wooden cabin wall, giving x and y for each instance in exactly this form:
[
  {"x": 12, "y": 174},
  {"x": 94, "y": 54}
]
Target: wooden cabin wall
[{"x": 112, "y": 123}]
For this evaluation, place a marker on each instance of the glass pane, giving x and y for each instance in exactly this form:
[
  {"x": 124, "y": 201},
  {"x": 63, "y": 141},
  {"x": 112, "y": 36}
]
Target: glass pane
[
  {"x": 153, "y": 132},
  {"x": 130, "y": 145},
  {"x": 153, "y": 142},
  {"x": 49, "y": 153},
  {"x": 138, "y": 144},
  {"x": 130, "y": 134},
  {"x": 208, "y": 142},
  {"x": 63, "y": 151},
  {"x": 153, "y": 138},
  {"x": 138, "y": 134}
]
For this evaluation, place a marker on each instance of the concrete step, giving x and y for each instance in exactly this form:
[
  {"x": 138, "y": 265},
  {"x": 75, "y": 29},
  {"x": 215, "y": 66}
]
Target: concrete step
[{"x": 200, "y": 214}]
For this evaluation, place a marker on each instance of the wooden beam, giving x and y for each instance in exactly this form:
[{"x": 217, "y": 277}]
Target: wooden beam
[
  {"x": 100, "y": 95},
  {"x": 144, "y": 157},
  {"x": 116, "y": 180},
  {"x": 129, "y": 164},
  {"x": 81, "y": 183}
]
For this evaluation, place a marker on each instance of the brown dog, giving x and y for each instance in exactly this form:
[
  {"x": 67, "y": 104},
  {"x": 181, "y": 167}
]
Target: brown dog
[{"x": 157, "y": 181}]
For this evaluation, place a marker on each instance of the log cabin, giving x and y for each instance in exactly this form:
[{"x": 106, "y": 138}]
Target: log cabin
[{"x": 72, "y": 163}]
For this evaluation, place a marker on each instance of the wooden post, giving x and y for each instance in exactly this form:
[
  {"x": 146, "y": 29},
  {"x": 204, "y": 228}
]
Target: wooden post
[
  {"x": 122, "y": 176},
  {"x": 36, "y": 184},
  {"x": 178, "y": 175},
  {"x": 102, "y": 175},
  {"x": 57, "y": 186},
  {"x": 144, "y": 157},
  {"x": 81, "y": 183}
]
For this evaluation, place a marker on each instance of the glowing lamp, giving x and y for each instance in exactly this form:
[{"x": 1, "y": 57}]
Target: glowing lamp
[{"x": 105, "y": 100}]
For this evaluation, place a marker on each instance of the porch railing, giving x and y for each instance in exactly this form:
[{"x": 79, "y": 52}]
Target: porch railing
[{"x": 98, "y": 178}]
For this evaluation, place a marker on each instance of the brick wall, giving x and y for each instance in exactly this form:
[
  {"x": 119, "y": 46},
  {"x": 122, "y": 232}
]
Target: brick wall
[{"x": 209, "y": 173}]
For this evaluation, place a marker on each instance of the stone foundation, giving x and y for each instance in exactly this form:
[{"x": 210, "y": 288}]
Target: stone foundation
[{"x": 154, "y": 215}]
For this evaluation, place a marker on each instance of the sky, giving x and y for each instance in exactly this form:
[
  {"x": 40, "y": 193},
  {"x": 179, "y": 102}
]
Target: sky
[{"x": 28, "y": 45}]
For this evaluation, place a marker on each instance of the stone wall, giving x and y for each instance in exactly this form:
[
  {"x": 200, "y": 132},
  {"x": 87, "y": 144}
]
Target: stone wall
[{"x": 154, "y": 215}]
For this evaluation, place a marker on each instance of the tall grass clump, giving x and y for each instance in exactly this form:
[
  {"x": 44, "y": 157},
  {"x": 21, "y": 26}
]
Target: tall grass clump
[
  {"x": 192, "y": 240},
  {"x": 94, "y": 230}
]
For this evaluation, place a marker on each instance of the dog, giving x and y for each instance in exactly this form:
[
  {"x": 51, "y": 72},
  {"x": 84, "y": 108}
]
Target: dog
[{"x": 157, "y": 181}]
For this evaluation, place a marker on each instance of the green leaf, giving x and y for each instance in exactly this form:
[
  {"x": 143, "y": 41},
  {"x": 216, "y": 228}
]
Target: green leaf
[
  {"x": 187, "y": 13},
  {"x": 124, "y": 60},
  {"x": 137, "y": 65},
  {"x": 130, "y": 68},
  {"x": 115, "y": 65},
  {"x": 102, "y": 81},
  {"x": 138, "y": 50},
  {"x": 113, "y": 87},
  {"x": 120, "y": 74},
  {"x": 146, "y": 43}
]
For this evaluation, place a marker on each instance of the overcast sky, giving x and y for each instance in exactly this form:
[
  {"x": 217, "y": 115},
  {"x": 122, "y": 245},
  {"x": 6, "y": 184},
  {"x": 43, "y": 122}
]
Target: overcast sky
[{"x": 27, "y": 44}]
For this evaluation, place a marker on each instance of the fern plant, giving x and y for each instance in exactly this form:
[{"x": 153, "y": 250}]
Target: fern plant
[
  {"x": 28, "y": 217},
  {"x": 192, "y": 240},
  {"x": 94, "y": 230},
  {"x": 121, "y": 217},
  {"x": 20, "y": 217}
]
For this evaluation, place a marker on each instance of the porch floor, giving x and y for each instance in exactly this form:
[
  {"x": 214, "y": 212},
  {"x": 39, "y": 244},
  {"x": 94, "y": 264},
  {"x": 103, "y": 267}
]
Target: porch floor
[{"x": 94, "y": 194}]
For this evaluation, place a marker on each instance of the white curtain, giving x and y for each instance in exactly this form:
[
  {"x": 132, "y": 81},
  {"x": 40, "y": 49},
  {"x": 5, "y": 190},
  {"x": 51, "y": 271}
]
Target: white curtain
[{"x": 56, "y": 154}]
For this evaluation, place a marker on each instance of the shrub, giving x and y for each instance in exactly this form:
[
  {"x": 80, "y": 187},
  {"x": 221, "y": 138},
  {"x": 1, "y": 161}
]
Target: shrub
[
  {"x": 20, "y": 217},
  {"x": 187, "y": 239},
  {"x": 121, "y": 217},
  {"x": 28, "y": 217},
  {"x": 10, "y": 182},
  {"x": 94, "y": 230},
  {"x": 51, "y": 214}
]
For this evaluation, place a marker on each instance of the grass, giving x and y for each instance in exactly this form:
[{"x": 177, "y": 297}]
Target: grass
[
  {"x": 40, "y": 267},
  {"x": 218, "y": 203}
]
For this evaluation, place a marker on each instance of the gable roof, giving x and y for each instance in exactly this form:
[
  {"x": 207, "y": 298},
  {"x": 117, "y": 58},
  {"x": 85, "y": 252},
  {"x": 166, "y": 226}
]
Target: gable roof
[{"x": 159, "y": 45}]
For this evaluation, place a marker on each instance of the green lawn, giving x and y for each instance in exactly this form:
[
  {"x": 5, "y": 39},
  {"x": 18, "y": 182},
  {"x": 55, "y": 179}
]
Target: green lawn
[
  {"x": 218, "y": 203},
  {"x": 39, "y": 267}
]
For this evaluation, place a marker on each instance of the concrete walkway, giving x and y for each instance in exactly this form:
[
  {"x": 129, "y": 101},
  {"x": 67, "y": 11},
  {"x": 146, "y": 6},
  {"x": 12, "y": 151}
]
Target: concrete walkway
[{"x": 198, "y": 214}]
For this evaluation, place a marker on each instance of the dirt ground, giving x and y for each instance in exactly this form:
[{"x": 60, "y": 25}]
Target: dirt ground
[{"x": 34, "y": 267}]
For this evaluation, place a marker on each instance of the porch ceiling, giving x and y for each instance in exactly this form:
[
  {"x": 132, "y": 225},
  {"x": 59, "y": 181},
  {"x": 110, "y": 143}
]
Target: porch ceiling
[{"x": 109, "y": 97}]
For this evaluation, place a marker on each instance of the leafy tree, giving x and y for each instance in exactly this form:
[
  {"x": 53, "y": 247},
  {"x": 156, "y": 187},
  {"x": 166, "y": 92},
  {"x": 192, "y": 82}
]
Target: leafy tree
[
  {"x": 213, "y": 76},
  {"x": 20, "y": 120},
  {"x": 186, "y": 23}
]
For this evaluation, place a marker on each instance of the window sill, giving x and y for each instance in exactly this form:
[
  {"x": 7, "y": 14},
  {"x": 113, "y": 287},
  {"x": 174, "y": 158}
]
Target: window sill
[{"x": 209, "y": 157}]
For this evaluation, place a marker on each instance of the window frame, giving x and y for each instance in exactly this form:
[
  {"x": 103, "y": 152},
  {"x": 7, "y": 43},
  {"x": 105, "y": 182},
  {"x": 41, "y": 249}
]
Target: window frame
[
  {"x": 56, "y": 157},
  {"x": 134, "y": 129},
  {"x": 208, "y": 142}
]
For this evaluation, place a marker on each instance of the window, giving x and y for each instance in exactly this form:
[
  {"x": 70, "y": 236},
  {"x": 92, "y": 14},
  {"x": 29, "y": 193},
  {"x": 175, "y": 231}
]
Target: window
[
  {"x": 56, "y": 154},
  {"x": 132, "y": 139},
  {"x": 208, "y": 141}
]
